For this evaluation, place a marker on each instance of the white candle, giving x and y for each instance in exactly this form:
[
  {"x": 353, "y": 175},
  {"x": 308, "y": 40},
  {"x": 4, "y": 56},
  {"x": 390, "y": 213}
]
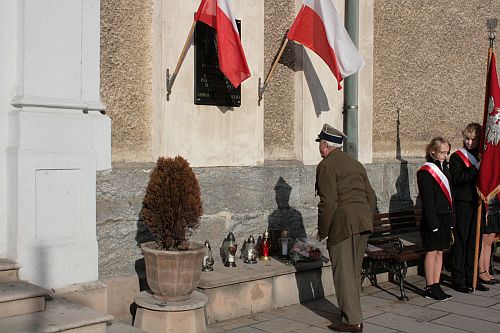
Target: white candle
[{"x": 284, "y": 247}]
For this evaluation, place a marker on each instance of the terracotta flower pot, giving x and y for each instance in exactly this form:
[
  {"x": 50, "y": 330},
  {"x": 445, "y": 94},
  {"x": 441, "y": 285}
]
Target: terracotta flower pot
[{"x": 173, "y": 275}]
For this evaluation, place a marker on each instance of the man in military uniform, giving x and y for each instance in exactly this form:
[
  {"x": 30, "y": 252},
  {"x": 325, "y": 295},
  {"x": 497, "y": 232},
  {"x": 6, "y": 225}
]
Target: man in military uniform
[{"x": 345, "y": 215}]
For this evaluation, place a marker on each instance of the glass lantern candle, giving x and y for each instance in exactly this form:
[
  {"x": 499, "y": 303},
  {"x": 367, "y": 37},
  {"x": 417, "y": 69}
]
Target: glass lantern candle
[
  {"x": 265, "y": 247},
  {"x": 284, "y": 243},
  {"x": 208, "y": 259},
  {"x": 231, "y": 247},
  {"x": 251, "y": 252}
]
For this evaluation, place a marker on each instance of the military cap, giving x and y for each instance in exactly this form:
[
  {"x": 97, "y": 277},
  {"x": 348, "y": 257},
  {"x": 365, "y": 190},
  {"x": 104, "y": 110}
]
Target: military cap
[{"x": 330, "y": 133}]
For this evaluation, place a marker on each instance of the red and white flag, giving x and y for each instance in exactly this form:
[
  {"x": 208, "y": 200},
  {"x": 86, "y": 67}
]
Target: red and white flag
[
  {"x": 488, "y": 181},
  {"x": 232, "y": 61},
  {"x": 319, "y": 27}
]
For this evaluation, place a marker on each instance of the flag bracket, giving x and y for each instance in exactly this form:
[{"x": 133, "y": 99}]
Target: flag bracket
[
  {"x": 169, "y": 82},
  {"x": 262, "y": 88},
  {"x": 492, "y": 25}
]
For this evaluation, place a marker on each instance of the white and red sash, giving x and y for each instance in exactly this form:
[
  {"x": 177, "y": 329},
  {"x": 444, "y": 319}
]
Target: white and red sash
[
  {"x": 468, "y": 158},
  {"x": 440, "y": 178}
]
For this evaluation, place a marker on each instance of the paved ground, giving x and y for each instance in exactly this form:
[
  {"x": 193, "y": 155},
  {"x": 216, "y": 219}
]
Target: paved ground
[{"x": 477, "y": 312}]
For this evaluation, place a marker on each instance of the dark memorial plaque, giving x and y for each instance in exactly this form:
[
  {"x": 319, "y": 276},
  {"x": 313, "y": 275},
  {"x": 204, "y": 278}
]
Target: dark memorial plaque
[{"x": 211, "y": 87}]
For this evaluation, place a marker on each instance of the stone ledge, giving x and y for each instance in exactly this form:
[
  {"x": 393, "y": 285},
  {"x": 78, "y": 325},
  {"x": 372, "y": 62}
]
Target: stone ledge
[
  {"x": 248, "y": 289},
  {"x": 224, "y": 276}
]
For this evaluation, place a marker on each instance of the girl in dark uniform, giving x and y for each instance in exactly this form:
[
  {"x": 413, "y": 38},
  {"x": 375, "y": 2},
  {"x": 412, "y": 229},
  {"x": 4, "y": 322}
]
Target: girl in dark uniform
[
  {"x": 464, "y": 168},
  {"x": 433, "y": 180}
]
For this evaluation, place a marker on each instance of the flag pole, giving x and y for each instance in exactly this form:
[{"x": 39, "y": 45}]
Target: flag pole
[
  {"x": 262, "y": 87},
  {"x": 170, "y": 79},
  {"x": 478, "y": 237},
  {"x": 491, "y": 24}
]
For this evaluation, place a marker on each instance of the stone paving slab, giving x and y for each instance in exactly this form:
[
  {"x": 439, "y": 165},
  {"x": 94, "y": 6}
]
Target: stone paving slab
[
  {"x": 282, "y": 325},
  {"x": 467, "y": 323},
  {"x": 232, "y": 324},
  {"x": 476, "y": 298},
  {"x": 399, "y": 308},
  {"x": 468, "y": 310},
  {"x": 311, "y": 316},
  {"x": 246, "y": 329},
  {"x": 410, "y": 325}
]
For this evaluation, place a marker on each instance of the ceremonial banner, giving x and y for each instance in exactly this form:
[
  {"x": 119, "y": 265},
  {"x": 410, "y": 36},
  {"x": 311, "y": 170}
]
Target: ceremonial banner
[
  {"x": 319, "y": 28},
  {"x": 232, "y": 61},
  {"x": 488, "y": 181}
]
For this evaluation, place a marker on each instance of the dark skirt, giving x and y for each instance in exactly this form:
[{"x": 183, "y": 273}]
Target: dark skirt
[
  {"x": 493, "y": 225},
  {"x": 439, "y": 240}
]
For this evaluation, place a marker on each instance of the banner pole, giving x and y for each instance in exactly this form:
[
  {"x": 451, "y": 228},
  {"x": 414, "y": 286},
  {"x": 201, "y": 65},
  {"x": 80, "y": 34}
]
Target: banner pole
[
  {"x": 171, "y": 78},
  {"x": 262, "y": 87},
  {"x": 476, "y": 248}
]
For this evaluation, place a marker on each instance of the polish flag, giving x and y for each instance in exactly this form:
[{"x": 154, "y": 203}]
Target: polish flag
[
  {"x": 319, "y": 27},
  {"x": 488, "y": 179},
  {"x": 232, "y": 61}
]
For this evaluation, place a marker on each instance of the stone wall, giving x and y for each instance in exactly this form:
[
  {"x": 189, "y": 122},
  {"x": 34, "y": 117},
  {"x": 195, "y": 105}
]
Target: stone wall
[
  {"x": 430, "y": 68},
  {"x": 244, "y": 200}
]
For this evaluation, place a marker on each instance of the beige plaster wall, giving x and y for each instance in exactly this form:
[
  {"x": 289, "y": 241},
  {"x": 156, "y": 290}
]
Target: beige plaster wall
[
  {"x": 140, "y": 40},
  {"x": 207, "y": 135},
  {"x": 126, "y": 76},
  {"x": 430, "y": 64},
  {"x": 318, "y": 99}
]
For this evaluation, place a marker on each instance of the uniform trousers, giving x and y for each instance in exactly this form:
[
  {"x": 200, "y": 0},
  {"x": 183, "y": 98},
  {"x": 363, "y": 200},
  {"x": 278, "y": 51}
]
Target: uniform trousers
[
  {"x": 465, "y": 241},
  {"x": 347, "y": 258}
]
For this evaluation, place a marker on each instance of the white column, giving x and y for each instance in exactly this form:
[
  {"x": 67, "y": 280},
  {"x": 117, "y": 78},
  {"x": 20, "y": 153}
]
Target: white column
[
  {"x": 8, "y": 32},
  {"x": 57, "y": 140}
]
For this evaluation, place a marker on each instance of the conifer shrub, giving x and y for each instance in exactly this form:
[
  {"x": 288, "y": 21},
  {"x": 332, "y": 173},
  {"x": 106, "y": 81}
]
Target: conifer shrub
[{"x": 172, "y": 204}]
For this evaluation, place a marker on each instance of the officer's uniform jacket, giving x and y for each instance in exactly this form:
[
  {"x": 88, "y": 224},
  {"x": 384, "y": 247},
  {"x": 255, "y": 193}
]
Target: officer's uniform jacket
[{"x": 347, "y": 200}]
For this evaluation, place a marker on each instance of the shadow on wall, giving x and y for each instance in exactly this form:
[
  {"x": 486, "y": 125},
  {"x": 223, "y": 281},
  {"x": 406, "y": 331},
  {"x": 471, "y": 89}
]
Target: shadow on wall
[
  {"x": 286, "y": 217},
  {"x": 318, "y": 94},
  {"x": 310, "y": 287},
  {"x": 401, "y": 200},
  {"x": 295, "y": 58},
  {"x": 143, "y": 235}
]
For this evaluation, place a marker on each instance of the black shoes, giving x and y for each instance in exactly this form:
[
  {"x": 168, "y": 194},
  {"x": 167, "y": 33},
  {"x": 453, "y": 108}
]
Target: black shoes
[
  {"x": 490, "y": 282},
  {"x": 481, "y": 287},
  {"x": 462, "y": 288},
  {"x": 343, "y": 327},
  {"x": 434, "y": 291}
]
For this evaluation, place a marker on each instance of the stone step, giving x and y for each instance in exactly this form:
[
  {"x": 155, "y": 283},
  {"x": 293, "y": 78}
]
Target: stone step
[
  {"x": 20, "y": 297},
  {"x": 118, "y": 327},
  {"x": 60, "y": 315},
  {"x": 8, "y": 270}
]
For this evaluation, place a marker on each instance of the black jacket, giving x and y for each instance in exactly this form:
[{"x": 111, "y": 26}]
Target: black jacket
[
  {"x": 463, "y": 180},
  {"x": 436, "y": 209}
]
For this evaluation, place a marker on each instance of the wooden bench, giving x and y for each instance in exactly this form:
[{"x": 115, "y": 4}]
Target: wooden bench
[{"x": 395, "y": 241}]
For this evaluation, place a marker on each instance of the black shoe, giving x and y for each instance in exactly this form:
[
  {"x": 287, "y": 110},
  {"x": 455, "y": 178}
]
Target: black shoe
[
  {"x": 462, "y": 288},
  {"x": 488, "y": 282},
  {"x": 435, "y": 293},
  {"x": 441, "y": 292},
  {"x": 481, "y": 287},
  {"x": 343, "y": 327}
]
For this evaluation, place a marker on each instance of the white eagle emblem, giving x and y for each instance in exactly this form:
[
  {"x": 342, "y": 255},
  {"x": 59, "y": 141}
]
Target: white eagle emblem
[{"x": 492, "y": 131}]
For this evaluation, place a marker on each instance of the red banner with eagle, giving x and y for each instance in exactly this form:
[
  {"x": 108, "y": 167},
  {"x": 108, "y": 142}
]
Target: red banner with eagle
[{"x": 488, "y": 181}]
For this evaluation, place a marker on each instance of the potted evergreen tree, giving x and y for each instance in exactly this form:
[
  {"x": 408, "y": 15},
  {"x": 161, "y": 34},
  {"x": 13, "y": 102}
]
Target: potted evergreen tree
[{"x": 172, "y": 209}]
